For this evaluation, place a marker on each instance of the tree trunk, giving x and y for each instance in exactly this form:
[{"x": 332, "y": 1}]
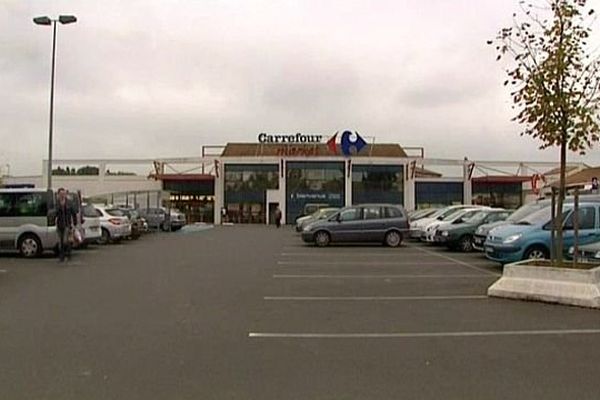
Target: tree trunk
[{"x": 558, "y": 223}]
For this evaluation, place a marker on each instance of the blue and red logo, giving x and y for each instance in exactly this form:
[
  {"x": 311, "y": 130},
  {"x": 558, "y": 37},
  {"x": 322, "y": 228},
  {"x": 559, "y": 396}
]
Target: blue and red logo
[{"x": 348, "y": 141}]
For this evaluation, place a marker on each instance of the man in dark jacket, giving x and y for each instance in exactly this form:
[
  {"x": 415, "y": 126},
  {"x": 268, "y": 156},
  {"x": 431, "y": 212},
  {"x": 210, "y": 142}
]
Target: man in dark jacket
[{"x": 65, "y": 221}]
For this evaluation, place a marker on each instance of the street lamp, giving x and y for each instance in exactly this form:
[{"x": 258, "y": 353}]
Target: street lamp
[{"x": 63, "y": 19}]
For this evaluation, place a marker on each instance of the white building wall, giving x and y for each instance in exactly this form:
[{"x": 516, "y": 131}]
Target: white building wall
[{"x": 91, "y": 186}]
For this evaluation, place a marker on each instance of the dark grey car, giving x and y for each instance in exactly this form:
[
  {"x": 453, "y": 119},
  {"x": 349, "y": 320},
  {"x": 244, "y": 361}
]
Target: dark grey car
[{"x": 382, "y": 223}]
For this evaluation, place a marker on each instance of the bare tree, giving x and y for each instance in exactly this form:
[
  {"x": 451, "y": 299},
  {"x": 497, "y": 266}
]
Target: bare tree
[{"x": 554, "y": 78}]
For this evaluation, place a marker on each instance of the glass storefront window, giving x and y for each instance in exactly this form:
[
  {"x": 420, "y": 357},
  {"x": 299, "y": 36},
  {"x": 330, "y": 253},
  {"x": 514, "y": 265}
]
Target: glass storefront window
[
  {"x": 246, "y": 186},
  {"x": 377, "y": 184},
  {"x": 313, "y": 182},
  {"x": 505, "y": 195},
  {"x": 438, "y": 194}
]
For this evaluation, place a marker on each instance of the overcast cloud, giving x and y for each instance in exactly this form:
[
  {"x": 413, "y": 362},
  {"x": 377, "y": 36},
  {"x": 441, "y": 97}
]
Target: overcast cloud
[{"x": 157, "y": 78}]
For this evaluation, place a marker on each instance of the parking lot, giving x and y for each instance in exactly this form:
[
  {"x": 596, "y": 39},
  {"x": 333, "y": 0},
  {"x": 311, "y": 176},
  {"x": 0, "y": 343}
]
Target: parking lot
[{"x": 250, "y": 312}]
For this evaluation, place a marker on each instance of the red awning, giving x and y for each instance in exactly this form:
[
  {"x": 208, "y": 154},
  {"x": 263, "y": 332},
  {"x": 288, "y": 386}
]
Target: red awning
[{"x": 501, "y": 179}]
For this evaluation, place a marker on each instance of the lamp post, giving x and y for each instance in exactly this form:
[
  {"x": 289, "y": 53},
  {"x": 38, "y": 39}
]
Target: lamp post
[{"x": 63, "y": 19}]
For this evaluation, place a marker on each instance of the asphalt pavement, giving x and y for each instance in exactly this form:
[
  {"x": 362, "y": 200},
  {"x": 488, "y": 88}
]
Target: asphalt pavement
[{"x": 249, "y": 312}]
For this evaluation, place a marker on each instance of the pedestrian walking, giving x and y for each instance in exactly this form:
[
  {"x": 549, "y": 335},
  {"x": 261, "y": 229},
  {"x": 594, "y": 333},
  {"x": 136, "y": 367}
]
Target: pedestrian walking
[
  {"x": 278, "y": 217},
  {"x": 65, "y": 221}
]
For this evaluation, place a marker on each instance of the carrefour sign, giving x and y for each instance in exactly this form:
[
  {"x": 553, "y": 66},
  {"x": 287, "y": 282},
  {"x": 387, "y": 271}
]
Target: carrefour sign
[
  {"x": 289, "y": 138},
  {"x": 348, "y": 141}
]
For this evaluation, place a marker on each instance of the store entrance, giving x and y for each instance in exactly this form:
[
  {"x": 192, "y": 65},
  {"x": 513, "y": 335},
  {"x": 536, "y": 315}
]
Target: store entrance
[{"x": 272, "y": 209}]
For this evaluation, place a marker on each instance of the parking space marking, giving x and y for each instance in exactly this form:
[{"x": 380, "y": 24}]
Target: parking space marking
[
  {"x": 372, "y": 298},
  {"x": 323, "y": 276},
  {"x": 347, "y": 254},
  {"x": 457, "y": 261},
  {"x": 340, "y": 263},
  {"x": 416, "y": 335},
  {"x": 3, "y": 271}
]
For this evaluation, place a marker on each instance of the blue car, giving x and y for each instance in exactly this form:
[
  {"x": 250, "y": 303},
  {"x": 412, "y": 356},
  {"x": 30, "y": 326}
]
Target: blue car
[{"x": 530, "y": 237}]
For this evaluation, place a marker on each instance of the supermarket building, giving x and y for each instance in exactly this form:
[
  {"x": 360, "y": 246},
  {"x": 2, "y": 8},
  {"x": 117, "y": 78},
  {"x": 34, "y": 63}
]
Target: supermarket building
[{"x": 246, "y": 182}]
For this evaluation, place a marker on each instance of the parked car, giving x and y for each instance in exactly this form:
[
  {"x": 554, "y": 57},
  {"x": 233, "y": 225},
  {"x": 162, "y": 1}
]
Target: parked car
[
  {"x": 459, "y": 235},
  {"x": 417, "y": 227},
  {"x": 522, "y": 212},
  {"x": 457, "y": 216},
  {"x": 177, "y": 219},
  {"x": 163, "y": 219},
  {"x": 114, "y": 224},
  {"x": 317, "y": 215},
  {"x": 482, "y": 232},
  {"x": 383, "y": 223},
  {"x": 586, "y": 253},
  {"x": 530, "y": 238},
  {"x": 27, "y": 221},
  {"x": 90, "y": 224},
  {"x": 137, "y": 223}
]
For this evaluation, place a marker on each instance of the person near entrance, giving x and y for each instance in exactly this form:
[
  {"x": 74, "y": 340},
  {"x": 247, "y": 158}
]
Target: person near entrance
[
  {"x": 278, "y": 217},
  {"x": 65, "y": 221}
]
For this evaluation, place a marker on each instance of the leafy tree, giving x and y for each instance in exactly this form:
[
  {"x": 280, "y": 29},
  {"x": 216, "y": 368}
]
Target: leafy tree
[{"x": 554, "y": 80}]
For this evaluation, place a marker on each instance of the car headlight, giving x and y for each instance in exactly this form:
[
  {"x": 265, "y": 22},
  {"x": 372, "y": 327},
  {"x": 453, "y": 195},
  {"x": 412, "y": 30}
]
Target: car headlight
[
  {"x": 512, "y": 238},
  {"x": 307, "y": 228},
  {"x": 597, "y": 255},
  {"x": 479, "y": 231},
  {"x": 571, "y": 250},
  {"x": 445, "y": 233}
]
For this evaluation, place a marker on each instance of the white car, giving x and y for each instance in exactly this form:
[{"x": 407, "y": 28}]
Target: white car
[
  {"x": 457, "y": 215},
  {"x": 114, "y": 224},
  {"x": 417, "y": 228},
  {"x": 91, "y": 225}
]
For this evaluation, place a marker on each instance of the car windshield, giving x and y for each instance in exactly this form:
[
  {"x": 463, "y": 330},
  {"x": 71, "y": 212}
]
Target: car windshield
[
  {"x": 476, "y": 217},
  {"x": 326, "y": 212},
  {"x": 115, "y": 212},
  {"x": 541, "y": 216},
  {"x": 453, "y": 215},
  {"x": 525, "y": 211}
]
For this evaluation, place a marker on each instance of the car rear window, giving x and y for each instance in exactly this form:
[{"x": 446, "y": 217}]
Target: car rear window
[
  {"x": 393, "y": 212},
  {"x": 115, "y": 213},
  {"x": 89, "y": 211}
]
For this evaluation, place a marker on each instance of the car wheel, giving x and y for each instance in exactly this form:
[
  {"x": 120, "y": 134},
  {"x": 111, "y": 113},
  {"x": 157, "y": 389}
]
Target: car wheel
[
  {"x": 30, "y": 246},
  {"x": 165, "y": 227},
  {"x": 537, "y": 253},
  {"x": 465, "y": 244},
  {"x": 393, "y": 239},
  {"x": 322, "y": 238},
  {"x": 105, "y": 237}
]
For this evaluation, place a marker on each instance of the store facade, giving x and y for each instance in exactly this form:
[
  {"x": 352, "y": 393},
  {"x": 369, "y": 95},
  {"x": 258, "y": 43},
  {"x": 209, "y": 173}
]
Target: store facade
[{"x": 254, "y": 179}]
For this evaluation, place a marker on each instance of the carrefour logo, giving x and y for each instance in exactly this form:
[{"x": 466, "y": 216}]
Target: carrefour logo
[{"x": 348, "y": 141}]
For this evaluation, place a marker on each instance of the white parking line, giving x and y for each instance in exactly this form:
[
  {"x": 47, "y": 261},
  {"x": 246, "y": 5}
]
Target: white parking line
[
  {"x": 322, "y": 276},
  {"x": 457, "y": 261},
  {"x": 348, "y": 254},
  {"x": 372, "y": 298},
  {"x": 408, "y": 335},
  {"x": 366, "y": 263},
  {"x": 3, "y": 271}
]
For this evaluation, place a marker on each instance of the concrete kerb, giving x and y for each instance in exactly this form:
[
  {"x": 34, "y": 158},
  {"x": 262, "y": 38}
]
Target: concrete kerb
[{"x": 547, "y": 284}]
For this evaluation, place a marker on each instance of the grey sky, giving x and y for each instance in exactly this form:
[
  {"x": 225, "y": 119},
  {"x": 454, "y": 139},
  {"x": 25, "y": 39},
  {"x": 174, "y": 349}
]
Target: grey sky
[{"x": 157, "y": 78}]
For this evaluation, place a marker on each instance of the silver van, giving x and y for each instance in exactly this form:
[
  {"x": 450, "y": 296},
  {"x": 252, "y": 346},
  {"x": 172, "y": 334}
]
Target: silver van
[{"x": 27, "y": 221}]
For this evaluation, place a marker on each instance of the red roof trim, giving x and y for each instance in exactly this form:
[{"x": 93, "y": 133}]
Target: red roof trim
[{"x": 501, "y": 179}]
